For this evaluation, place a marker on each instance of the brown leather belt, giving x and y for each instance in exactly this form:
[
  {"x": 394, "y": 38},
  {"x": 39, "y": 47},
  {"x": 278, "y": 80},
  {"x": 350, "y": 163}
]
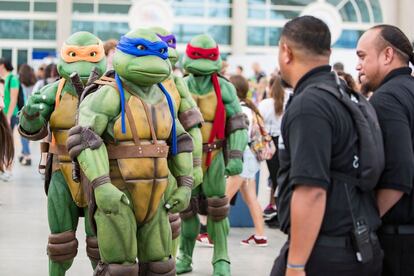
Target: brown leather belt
[
  {"x": 208, "y": 147},
  {"x": 58, "y": 149},
  {"x": 137, "y": 151}
]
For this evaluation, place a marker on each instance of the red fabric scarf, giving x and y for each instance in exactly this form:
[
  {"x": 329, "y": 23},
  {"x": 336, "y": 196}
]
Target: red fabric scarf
[
  {"x": 219, "y": 123},
  {"x": 197, "y": 53}
]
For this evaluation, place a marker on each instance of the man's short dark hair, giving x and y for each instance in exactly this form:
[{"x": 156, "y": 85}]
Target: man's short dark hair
[
  {"x": 310, "y": 33},
  {"x": 339, "y": 66},
  {"x": 394, "y": 37},
  {"x": 7, "y": 64}
]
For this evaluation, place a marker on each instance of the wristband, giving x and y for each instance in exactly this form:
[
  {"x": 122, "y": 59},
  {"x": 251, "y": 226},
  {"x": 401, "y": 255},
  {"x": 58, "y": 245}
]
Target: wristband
[{"x": 295, "y": 267}]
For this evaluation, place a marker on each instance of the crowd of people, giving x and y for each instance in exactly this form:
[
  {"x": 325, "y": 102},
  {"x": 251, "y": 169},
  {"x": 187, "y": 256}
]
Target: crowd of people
[{"x": 346, "y": 204}]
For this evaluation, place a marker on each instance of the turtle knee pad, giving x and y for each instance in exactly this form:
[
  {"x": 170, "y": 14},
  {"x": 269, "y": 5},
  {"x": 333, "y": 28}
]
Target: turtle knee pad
[
  {"x": 104, "y": 269},
  {"x": 62, "y": 246},
  {"x": 92, "y": 249},
  {"x": 161, "y": 268},
  {"x": 191, "y": 210},
  {"x": 175, "y": 223},
  {"x": 218, "y": 208}
]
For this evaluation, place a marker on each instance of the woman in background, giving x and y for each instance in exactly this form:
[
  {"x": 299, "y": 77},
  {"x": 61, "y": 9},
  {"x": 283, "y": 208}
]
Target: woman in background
[
  {"x": 27, "y": 80},
  {"x": 245, "y": 182},
  {"x": 6, "y": 140},
  {"x": 272, "y": 110}
]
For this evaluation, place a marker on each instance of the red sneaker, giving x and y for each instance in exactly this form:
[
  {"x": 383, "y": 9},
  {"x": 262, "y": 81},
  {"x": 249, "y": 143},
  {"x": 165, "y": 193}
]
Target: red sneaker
[
  {"x": 205, "y": 240},
  {"x": 255, "y": 242}
]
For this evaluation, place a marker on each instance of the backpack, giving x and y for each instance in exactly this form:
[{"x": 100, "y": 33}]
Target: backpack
[
  {"x": 370, "y": 160},
  {"x": 20, "y": 96},
  {"x": 261, "y": 143}
]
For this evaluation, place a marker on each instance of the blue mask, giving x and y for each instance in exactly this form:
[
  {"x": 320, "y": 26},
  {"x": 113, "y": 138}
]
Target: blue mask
[{"x": 142, "y": 47}]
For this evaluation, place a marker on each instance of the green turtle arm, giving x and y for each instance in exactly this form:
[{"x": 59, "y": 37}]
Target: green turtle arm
[
  {"x": 36, "y": 113},
  {"x": 236, "y": 140},
  {"x": 95, "y": 112},
  {"x": 187, "y": 103}
]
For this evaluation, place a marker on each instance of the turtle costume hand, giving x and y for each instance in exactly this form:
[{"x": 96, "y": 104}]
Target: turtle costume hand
[
  {"x": 55, "y": 106},
  {"x": 144, "y": 147},
  {"x": 224, "y": 127}
]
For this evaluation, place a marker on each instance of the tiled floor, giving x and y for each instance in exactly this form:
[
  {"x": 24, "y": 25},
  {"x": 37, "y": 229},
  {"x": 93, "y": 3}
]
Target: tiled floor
[{"x": 24, "y": 231}]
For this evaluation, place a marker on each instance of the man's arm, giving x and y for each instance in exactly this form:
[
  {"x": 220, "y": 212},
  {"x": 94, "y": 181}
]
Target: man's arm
[
  {"x": 14, "y": 93},
  {"x": 386, "y": 199},
  {"x": 307, "y": 211}
]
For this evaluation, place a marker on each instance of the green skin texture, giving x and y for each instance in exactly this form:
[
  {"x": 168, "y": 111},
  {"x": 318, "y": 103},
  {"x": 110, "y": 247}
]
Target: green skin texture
[
  {"x": 214, "y": 184},
  {"x": 120, "y": 239},
  {"x": 63, "y": 214},
  {"x": 187, "y": 102}
]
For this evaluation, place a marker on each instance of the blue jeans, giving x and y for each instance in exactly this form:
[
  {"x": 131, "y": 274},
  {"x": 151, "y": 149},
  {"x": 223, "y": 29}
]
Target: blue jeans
[{"x": 25, "y": 143}]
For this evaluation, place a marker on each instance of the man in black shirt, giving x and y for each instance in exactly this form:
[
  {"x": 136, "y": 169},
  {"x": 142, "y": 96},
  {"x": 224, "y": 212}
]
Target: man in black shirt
[
  {"x": 318, "y": 140},
  {"x": 384, "y": 53}
]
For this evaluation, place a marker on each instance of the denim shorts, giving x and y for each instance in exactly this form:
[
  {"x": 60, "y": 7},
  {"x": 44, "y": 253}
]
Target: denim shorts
[{"x": 250, "y": 165}]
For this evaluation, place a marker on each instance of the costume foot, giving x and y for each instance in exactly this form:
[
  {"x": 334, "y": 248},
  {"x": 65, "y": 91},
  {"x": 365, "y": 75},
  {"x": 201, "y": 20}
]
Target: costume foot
[
  {"x": 221, "y": 268},
  {"x": 183, "y": 265}
]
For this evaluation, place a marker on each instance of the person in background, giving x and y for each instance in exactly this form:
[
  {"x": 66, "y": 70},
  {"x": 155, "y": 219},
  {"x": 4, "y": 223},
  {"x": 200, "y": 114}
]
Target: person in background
[
  {"x": 27, "y": 79},
  {"x": 50, "y": 76},
  {"x": 7, "y": 147},
  {"x": 338, "y": 67},
  {"x": 109, "y": 47},
  {"x": 272, "y": 110},
  {"x": 40, "y": 72},
  {"x": 258, "y": 72},
  {"x": 349, "y": 80},
  {"x": 11, "y": 92},
  {"x": 260, "y": 92},
  {"x": 239, "y": 70},
  {"x": 384, "y": 53},
  {"x": 245, "y": 182}
]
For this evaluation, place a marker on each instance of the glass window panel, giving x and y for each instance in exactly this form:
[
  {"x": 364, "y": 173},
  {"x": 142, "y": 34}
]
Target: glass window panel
[
  {"x": 44, "y": 29},
  {"x": 274, "y": 36},
  {"x": 82, "y": 8},
  {"x": 348, "y": 13},
  {"x": 113, "y": 9},
  {"x": 188, "y": 1},
  {"x": 82, "y": 26},
  {"x": 278, "y": 14},
  {"x": 14, "y": 5},
  {"x": 255, "y": 2},
  {"x": 256, "y": 13},
  {"x": 21, "y": 57},
  {"x": 45, "y": 6},
  {"x": 220, "y": 1},
  {"x": 219, "y": 12},
  {"x": 376, "y": 8},
  {"x": 256, "y": 36},
  {"x": 7, "y": 54},
  {"x": 221, "y": 34},
  {"x": 184, "y": 33},
  {"x": 364, "y": 10},
  {"x": 348, "y": 39},
  {"x": 189, "y": 11},
  {"x": 110, "y": 30},
  {"x": 291, "y": 2},
  {"x": 15, "y": 29},
  {"x": 334, "y": 2}
]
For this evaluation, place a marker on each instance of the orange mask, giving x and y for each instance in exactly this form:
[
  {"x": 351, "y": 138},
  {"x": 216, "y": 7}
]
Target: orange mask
[{"x": 90, "y": 53}]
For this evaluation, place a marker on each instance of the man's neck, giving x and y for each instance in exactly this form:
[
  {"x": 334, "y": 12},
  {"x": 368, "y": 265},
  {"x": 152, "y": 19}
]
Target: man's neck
[
  {"x": 302, "y": 69},
  {"x": 4, "y": 74}
]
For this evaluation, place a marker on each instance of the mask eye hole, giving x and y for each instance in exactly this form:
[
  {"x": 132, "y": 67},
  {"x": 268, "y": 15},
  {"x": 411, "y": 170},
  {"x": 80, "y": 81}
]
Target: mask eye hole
[
  {"x": 197, "y": 54},
  {"x": 212, "y": 55},
  {"x": 162, "y": 51},
  {"x": 93, "y": 54},
  {"x": 72, "y": 54},
  {"x": 141, "y": 47},
  {"x": 171, "y": 41}
]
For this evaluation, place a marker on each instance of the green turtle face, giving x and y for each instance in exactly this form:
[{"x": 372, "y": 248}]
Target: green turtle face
[
  {"x": 172, "y": 52},
  {"x": 202, "y": 66},
  {"x": 141, "y": 70},
  {"x": 76, "y": 47}
]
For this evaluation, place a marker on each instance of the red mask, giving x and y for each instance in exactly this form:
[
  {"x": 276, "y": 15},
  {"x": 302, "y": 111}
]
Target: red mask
[{"x": 197, "y": 53}]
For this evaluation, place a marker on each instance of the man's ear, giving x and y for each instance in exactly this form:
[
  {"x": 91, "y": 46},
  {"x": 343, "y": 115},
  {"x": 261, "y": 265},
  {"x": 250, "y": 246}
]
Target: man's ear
[
  {"x": 389, "y": 55},
  {"x": 287, "y": 53}
]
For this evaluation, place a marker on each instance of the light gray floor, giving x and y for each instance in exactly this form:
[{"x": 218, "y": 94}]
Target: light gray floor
[{"x": 24, "y": 231}]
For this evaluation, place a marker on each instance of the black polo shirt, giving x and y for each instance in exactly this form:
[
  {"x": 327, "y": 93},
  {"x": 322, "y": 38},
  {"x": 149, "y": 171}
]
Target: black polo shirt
[
  {"x": 394, "y": 104},
  {"x": 319, "y": 137}
]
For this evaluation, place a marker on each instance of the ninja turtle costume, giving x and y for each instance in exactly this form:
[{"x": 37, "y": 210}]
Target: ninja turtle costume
[
  {"x": 131, "y": 146},
  {"x": 55, "y": 106},
  {"x": 189, "y": 116},
  {"x": 224, "y": 127}
]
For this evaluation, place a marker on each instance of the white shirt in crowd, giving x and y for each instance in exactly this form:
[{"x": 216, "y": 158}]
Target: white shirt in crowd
[
  {"x": 271, "y": 120},
  {"x": 249, "y": 113}
]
